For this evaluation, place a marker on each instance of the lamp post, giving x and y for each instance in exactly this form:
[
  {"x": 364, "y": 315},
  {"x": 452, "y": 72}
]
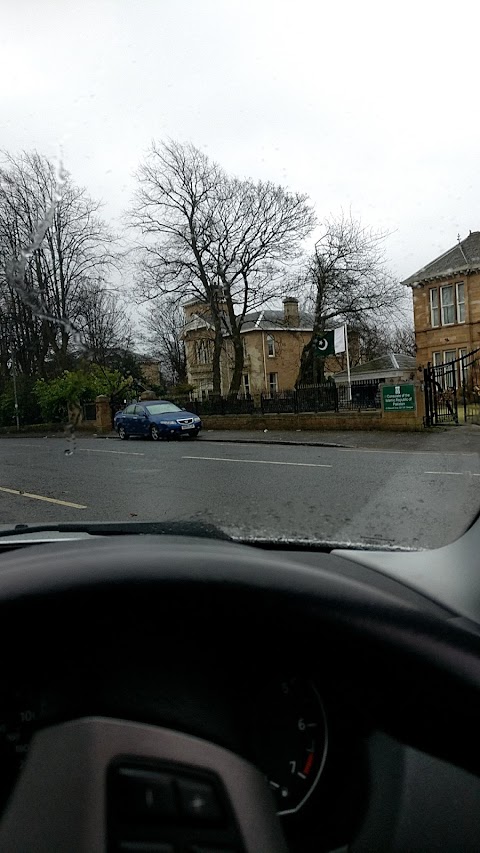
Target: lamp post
[{"x": 14, "y": 380}]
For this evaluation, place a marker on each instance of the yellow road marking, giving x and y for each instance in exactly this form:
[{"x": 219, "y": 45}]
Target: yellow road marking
[{"x": 41, "y": 498}]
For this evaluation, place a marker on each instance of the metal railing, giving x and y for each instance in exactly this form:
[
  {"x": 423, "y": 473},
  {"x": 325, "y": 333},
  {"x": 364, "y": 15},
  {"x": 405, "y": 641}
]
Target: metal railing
[{"x": 325, "y": 397}]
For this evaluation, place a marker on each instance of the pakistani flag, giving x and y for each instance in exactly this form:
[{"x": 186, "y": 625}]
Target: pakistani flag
[{"x": 332, "y": 342}]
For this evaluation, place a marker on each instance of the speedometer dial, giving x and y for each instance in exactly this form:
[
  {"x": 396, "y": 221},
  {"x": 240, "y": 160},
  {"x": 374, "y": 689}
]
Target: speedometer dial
[{"x": 292, "y": 741}]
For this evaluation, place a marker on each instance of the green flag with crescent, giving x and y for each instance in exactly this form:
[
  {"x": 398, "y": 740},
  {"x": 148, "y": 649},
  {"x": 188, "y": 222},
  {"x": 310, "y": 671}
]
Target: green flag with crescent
[{"x": 325, "y": 343}]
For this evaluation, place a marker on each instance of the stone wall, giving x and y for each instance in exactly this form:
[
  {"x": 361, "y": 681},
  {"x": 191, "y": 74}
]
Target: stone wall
[{"x": 322, "y": 421}]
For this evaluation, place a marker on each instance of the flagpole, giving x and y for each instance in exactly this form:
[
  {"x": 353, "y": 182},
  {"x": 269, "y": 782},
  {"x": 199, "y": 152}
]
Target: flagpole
[{"x": 349, "y": 384}]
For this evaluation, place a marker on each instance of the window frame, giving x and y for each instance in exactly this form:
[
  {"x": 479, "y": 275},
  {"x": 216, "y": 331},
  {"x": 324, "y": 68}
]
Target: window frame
[
  {"x": 447, "y": 378},
  {"x": 434, "y": 290},
  {"x": 451, "y": 305},
  {"x": 203, "y": 351},
  {"x": 246, "y": 384},
  {"x": 273, "y": 386},
  {"x": 457, "y": 301},
  {"x": 271, "y": 340}
]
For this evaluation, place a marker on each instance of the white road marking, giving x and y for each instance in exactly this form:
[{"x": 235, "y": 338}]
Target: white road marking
[
  {"x": 406, "y": 452},
  {"x": 41, "y": 498},
  {"x": 258, "y": 461},
  {"x": 118, "y": 452},
  {"x": 89, "y": 450},
  {"x": 454, "y": 473}
]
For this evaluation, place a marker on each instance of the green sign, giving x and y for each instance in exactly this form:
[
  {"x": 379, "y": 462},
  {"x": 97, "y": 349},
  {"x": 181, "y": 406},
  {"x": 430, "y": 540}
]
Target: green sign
[
  {"x": 398, "y": 398},
  {"x": 325, "y": 343}
]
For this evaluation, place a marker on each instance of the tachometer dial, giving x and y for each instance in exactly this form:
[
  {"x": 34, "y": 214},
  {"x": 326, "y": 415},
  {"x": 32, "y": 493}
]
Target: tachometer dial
[{"x": 292, "y": 741}]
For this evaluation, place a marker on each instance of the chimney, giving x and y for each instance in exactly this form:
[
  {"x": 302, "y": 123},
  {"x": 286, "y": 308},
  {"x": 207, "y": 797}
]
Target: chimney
[{"x": 290, "y": 312}]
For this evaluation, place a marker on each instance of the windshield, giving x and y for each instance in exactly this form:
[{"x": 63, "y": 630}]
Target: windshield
[
  {"x": 264, "y": 216},
  {"x": 161, "y": 408}
]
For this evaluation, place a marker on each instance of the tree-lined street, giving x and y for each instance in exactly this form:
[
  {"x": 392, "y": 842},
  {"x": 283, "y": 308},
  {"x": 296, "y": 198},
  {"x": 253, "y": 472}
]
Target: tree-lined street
[{"x": 412, "y": 497}]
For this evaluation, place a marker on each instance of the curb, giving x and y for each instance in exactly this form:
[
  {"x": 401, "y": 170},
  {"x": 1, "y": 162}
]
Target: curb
[{"x": 279, "y": 441}]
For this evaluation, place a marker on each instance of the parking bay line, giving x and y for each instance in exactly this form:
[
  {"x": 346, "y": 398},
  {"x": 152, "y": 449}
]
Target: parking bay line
[
  {"x": 258, "y": 461},
  {"x": 19, "y": 493}
]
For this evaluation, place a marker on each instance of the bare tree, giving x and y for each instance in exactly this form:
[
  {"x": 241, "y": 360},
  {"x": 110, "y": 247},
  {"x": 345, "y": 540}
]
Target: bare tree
[
  {"x": 52, "y": 240},
  {"x": 103, "y": 322},
  {"x": 349, "y": 282},
  {"x": 165, "y": 325},
  {"x": 403, "y": 339},
  {"x": 259, "y": 229},
  {"x": 220, "y": 239},
  {"x": 173, "y": 210}
]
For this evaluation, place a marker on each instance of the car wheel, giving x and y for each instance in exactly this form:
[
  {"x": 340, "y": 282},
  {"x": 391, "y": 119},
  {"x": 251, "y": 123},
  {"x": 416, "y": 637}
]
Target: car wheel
[
  {"x": 155, "y": 433},
  {"x": 122, "y": 434}
]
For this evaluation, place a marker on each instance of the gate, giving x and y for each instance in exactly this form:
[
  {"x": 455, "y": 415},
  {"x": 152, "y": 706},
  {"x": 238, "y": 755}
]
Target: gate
[
  {"x": 469, "y": 372},
  {"x": 452, "y": 390},
  {"x": 441, "y": 404}
]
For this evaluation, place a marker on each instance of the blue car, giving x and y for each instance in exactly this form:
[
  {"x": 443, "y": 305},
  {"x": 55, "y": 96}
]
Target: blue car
[{"x": 156, "y": 419}]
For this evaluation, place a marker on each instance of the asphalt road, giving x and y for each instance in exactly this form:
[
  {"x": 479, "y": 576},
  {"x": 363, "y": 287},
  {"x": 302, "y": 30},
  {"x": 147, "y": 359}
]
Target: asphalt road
[{"x": 410, "y": 498}]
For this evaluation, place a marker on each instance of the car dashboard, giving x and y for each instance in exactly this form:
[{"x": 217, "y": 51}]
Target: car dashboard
[{"x": 346, "y": 723}]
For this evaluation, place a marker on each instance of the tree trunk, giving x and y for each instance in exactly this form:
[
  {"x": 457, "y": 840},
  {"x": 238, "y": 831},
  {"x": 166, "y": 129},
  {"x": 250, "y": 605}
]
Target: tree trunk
[
  {"x": 312, "y": 366},
  {"x": 216, "y": 360},
  {"x": 236, "y": 379}
]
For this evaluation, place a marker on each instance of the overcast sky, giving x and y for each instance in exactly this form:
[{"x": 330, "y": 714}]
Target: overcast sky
[{"x": 367, "y": 105}]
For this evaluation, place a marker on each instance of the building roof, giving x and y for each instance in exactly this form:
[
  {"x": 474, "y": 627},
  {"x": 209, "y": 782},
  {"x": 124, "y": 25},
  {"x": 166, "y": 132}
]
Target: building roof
[
  {"x": 389, "y": 363},
  {"x": 275, "y": 320},
  {"x": 464, "y": 257},
  {"x": 257, "y": 320}
]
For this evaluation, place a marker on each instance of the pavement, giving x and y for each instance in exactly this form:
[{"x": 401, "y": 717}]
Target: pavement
[
  {"x": 462, "y": 438},
  {"x": 383, "y": 489}
]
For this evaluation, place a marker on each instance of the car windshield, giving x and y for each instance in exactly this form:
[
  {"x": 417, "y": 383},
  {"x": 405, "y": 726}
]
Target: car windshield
[
  {"x": 162, "y": 408},
  {"x": 262, "y": 215}
]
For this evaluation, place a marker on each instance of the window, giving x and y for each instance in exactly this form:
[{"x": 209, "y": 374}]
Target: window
[
  {"x": 437, "y": 358},
  {"x": 139, "y": 410},
  {"x": 273, "y": 382},
  {"x": 449, "y": 356},
  {"x": 434, "y": 316},
  {"x": 462, "y": 366},
  {"x": 270, "y": 346},
  {"x": 129, "y": 410},
  {"x": 161, "y": 408},
  {"x": 203, "y": 352},
  {"x": 460, "y": 302},
  {"x": 246, "y": 383},
  {"x": 448, "y": 307}
]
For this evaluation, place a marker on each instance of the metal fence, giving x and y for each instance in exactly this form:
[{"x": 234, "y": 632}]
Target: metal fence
[
  {"x": 452, "y": 390},
  {"x": 469, "y": 382},
  {"x": 326, "y": 397},
  {"x": 89, "y": 412},
  {"x": 217, "y": 405}
]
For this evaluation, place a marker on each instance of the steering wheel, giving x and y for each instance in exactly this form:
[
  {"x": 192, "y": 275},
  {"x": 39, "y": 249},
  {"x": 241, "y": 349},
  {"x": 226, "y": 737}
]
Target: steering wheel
[{"x": 99, "y": 782}]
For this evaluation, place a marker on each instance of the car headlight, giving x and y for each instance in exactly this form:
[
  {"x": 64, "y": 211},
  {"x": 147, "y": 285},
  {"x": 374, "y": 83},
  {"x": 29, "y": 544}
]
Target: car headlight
[
  {"x": 165, "y": 423},
  {"x": 196, "y": 420}
]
